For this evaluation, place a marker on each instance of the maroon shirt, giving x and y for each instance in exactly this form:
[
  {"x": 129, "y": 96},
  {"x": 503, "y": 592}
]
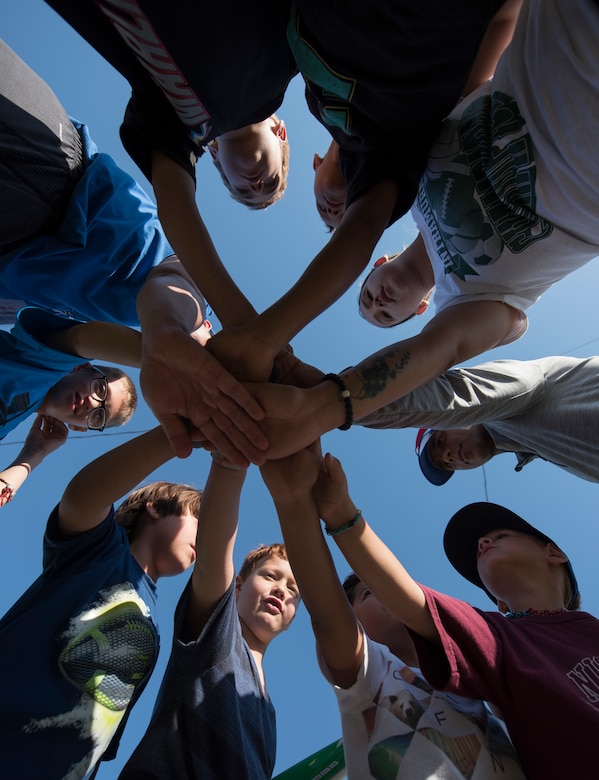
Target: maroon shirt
[{"x": 542, "y": 673}]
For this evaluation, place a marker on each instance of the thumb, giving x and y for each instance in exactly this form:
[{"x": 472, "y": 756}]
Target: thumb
[{"x": 331, "y": 464}]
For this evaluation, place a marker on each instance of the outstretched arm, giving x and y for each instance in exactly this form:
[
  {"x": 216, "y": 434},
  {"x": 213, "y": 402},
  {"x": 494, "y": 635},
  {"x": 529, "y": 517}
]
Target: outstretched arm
[
  {"x": 249, "y": 352},
  {"x": 368, "y": 556},
  {"x": 294, "y": 417},
  {"x": 465, "y": 396},
  {"x": 45, "y": 436},
  {"x": 98, "y": 340},
  {"x": 497, "y": 37},
  {"x": 175, "y": 197},
  {"x": 339, "y": 639},
  {"x": 184, "y": 385},
  {"x": 217, "y": 528},
  {"x": 90, "y": 494}
]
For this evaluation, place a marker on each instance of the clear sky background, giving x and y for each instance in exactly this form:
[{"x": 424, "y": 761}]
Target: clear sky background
[{"x": 266, "y": 252}]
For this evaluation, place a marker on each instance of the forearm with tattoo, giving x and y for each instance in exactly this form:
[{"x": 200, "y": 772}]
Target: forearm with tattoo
[{"x": 375, "y": 376}]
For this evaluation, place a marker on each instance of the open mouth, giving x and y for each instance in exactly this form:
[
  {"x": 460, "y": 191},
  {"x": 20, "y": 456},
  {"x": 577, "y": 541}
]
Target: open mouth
[{"x": 274, "y": 605}]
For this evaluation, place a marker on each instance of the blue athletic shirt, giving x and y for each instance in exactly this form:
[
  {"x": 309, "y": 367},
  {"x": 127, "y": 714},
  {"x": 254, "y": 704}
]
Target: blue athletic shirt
[
  {"x": 28, "y": 368},
  {"x": 93, "y": 267}
]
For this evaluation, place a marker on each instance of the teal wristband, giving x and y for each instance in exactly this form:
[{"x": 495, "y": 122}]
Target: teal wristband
[{"x": 343, "y": 528}]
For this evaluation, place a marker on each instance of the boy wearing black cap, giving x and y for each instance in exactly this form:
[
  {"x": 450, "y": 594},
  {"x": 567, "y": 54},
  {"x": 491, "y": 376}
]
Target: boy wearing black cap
[{"x": 538, "y": 663}]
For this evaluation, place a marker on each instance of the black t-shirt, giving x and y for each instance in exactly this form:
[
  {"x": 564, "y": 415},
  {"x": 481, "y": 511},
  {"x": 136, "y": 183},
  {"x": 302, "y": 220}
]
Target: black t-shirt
[
  {"x": 382, "y": 75},
  {"x": 197, "y": 70}
]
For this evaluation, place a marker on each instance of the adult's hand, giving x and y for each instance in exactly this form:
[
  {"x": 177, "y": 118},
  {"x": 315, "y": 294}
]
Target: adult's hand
[
  {"x": 193, "y": 395},
  {"x": 290, "y": 370},
  {"x": 295, "y": 417}
]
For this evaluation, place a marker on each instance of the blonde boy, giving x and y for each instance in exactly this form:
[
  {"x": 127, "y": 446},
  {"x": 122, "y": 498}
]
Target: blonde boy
[{"x": 213, "y": 718}]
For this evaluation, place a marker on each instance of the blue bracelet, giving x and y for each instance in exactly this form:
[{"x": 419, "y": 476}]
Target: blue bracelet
[{"x": 346, "y": 527}]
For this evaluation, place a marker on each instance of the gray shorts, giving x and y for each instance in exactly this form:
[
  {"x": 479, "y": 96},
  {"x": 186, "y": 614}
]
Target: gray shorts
[{"x": 40, "y": 153}]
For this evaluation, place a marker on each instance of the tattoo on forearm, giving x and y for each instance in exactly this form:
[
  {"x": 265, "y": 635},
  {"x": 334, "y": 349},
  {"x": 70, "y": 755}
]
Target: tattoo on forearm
[{"x": 380, "y": 371}]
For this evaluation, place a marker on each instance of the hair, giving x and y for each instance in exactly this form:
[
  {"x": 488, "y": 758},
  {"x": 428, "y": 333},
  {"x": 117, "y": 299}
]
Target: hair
[
  {"x": 167, "y": 498},
  {"x": 253, "y": 558},
  {"x": 569, "y": 594},
  {"x": 350, "y": 583},
  {"x": 125, "y": 413},
  {"x": 330, "y": 228},
  {"x": 283, "y": 184}
]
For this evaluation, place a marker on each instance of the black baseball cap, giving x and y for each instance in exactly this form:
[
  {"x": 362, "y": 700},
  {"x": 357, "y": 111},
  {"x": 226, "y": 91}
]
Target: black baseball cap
[{"x": 466, "y": 527}]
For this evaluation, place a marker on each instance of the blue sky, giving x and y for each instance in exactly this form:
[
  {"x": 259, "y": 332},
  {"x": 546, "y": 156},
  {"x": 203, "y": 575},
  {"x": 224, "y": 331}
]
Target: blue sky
[{"x": 265, "y": 253}]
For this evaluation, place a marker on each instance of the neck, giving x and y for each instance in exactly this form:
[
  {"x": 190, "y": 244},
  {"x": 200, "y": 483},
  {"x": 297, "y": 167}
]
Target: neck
[
  {"x": 417, "y": 267},
  {"x": 537, "y": 602},
  {"x": 537, "y": 612},
  {"x": 257, "y": 649},
  {"x": 493, "y": 449},
  {"x": 144, "y": 559}
]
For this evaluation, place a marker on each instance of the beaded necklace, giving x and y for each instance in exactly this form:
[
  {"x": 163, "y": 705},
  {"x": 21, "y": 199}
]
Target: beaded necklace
[{"x": 537, "y": 612}]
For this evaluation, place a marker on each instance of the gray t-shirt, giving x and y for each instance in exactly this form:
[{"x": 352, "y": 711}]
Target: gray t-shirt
[{"x": 546, "y": 407}]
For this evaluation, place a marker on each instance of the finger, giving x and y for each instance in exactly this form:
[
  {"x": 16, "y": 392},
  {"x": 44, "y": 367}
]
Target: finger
[
  {"x": 177, "y": 434},
  {"x": 239, "y": 427},
  {"x": 238, "y": 439},
  {"x": 220, "y": 442},
  {"x": 244, "y": 401}
]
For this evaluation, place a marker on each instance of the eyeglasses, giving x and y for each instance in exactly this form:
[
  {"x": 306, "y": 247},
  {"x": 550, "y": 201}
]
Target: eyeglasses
[{"x": 98, "y": 390}]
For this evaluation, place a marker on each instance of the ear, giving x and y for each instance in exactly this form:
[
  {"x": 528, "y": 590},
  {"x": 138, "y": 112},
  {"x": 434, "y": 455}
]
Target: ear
[
  {"x": 502, "y": 606},
  {"x": 81, "y": 367},
  {"x": 152, "y": 511},
  {"x": 213, "y": 149},
  {"x": 238, "y": 584},
  {"x": 77, "y": 427},
  {"x": 280, "y": 130},
  {"x": 554, "y": 555},
  {"x": 422, "y": 307},
  {"x": 316, "y": 162}
]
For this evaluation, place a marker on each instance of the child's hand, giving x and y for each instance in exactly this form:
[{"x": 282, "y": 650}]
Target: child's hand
[
  {"x": 294, "y": 475},
  {"x": 331, "y": 494},
  {"x": 45, "y": 436}
]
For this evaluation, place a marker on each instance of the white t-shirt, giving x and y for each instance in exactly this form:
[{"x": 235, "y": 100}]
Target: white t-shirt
[
  {"x": 508, "y": 203},
  {"x": 396, "y": 726}
]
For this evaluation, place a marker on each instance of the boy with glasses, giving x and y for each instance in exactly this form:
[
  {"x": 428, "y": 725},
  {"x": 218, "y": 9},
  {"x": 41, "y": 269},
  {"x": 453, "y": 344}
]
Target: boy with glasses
[
  {"x": 79, "y": 236},
  {"x": 41, "y": 370}
]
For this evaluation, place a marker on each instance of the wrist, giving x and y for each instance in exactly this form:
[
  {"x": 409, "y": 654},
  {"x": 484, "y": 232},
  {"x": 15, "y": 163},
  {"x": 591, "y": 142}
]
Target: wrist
[
  {"x": 326, "y": 407},
  {"x": 7, "y": 492},
  {"x": 340, "y": 515},
  {"x": 356, "y": 519},
  {"x": 344, "y": 396}
]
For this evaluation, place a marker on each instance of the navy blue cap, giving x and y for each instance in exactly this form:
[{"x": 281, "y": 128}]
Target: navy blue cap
[{"x": 432, "y": 473}]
